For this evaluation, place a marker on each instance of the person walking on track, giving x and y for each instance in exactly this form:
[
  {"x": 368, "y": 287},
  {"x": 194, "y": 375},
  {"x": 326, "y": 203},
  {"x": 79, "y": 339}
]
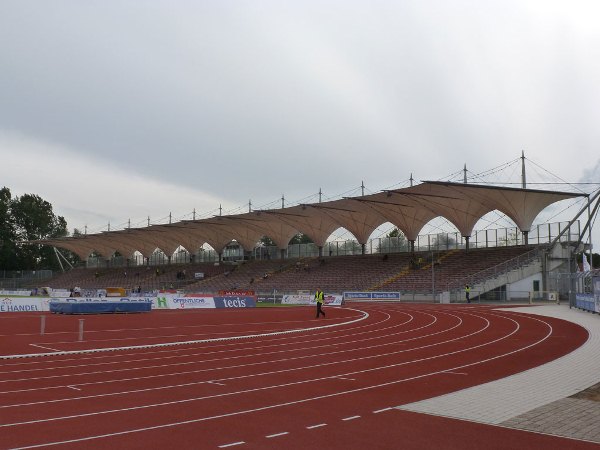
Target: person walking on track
[
  {"x": 319, "y": 299},
  {"x": 468, "y": 293}
]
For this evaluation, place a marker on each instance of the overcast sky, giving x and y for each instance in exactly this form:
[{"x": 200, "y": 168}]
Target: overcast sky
[{"x": 118, "y": 110}]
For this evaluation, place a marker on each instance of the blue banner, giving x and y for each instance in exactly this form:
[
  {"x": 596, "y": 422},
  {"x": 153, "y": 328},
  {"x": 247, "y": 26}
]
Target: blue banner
[
  {"x": 235, "y": 302},
  {"x": 372, "y": 295}
]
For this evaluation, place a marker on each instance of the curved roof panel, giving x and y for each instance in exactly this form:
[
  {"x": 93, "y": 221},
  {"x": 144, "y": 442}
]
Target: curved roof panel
[{"x": 409, "y": 209}]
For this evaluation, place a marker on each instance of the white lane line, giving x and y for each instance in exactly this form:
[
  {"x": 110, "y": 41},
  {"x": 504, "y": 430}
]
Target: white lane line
[
  {"x": 156, "y": 366},
  {"x": 277, "y": 434},
  {"x": 287, "y": 384},
  {"x": 316, "y": 426},
  {"x": 351, "y": 418},
  {"x": 382, "y": 410},
  {"x": 180, "y": 373},
  {"x": 346, "y": 378},
  {"x": 278, "y": 405},
  {"x": 73, "y": 387},
  {"x": 197, "y": 341},
  {"x": 214, "y": 382},
  {"x": 232, "y": 444},
  {"x": 456, "y": 373},
  {"x": 45, "y": 348}
]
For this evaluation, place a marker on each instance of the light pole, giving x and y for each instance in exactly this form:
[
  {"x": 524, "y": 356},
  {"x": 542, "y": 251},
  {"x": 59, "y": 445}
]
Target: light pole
[{"x": 433, "y": 276}]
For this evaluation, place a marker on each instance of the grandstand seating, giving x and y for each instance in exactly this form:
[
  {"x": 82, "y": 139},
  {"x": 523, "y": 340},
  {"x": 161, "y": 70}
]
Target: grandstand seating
[{"x": 393, "y": 272}]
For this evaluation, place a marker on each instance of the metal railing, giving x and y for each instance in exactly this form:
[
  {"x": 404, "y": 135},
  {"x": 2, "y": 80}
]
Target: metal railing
[{"x": 497, "y": 270}]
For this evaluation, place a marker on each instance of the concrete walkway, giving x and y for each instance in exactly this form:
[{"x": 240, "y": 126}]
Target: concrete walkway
[{"x": 536, "y": 399}]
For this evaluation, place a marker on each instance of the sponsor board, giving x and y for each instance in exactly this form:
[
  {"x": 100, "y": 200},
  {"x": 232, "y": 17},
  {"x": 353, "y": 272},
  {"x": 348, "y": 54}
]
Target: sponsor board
[
  {"x": 99, "y": 299},
  {"x": 195, "y": 302},
  {"x": 372, "y": 295},
  {"x": 296, "y": 299},
  {"x": 596, "y": 288},
  {"x": 308, "y": 299},
  {"x": 357, "y": 295},
  {"x": 586, "y": 302},
  {"x": 23, "y": 304},
  {"x": 168, "y": 300},
  {"x": 231, "y": 301},
  {"x": 235, "y": 293},
  {"x": 15, "y": 293}
]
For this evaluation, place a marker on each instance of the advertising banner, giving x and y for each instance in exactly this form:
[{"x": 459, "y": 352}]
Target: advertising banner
[
  {"x": 296, "y": 299},
  {"x": 23, "y": 304},
  {"x": 596, "y": 289},
  {"x": 308, "y": 299},
  {"x": 191, "y": 302},
  {"x": 5, "y": 293},
  {"x": 372, "y": 295},
  {"x": 235, "y": 302},
  {"x": 235, "y": 293},
  {"x": 586, "y": 302}
]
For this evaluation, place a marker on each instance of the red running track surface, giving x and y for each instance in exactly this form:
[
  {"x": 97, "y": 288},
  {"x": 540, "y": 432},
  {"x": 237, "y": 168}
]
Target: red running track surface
[{"x": 267, "y": 377}]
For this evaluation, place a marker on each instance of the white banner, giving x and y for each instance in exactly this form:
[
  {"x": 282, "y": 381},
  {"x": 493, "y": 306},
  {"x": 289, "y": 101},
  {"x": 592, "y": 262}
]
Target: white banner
[
  {"x": 15, "y": 293},
  {"x": 24, "y": 304},
  {"x": 175, "y": 301},
  {"x": 309, "y": 299}
]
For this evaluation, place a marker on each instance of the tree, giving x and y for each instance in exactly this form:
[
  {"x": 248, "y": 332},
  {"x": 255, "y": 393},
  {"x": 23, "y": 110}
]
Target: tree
[
  {"x": 33, "y": 219},
  {"x": 266, "y": 241},
  {"x": 301, "y": 238},
  {"x": 594, "y": 261},
  {"x": 349, "y": 247},
  {"x": 8, "y": 238},
  {"x": 394, "y": 242},
  {"x": 443, "y": 241}
]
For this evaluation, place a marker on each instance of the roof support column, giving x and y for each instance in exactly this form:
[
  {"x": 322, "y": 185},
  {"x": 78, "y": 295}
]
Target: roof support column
[
  {"x": 362, "y": 249},
  {"x": 320, "y": 251},
  {"x": 467, "y": 243},
  {"x": 412, "y": 245},
  {"x": 525, "y": 237},
  {"x": 282, "y": 253}
]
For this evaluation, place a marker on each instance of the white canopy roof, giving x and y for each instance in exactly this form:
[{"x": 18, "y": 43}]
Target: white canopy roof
[{"x": 409, "y": 209}]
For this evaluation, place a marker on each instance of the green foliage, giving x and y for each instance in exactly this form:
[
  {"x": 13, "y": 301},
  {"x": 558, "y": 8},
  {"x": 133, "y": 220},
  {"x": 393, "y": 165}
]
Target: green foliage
[
  {"x": 594, "y": 261},
  {"x": 27, "y": 218},
  {"x": 8, "y": 236},
  {"x": 394, "y": 242},
  {"x": 395, "y": 233},
  {"x": 266, "y": 241},
  {"x": 301, "y": 239},
  {"x": 444, "y": 241},
  {"x": 349, "y": 247}
]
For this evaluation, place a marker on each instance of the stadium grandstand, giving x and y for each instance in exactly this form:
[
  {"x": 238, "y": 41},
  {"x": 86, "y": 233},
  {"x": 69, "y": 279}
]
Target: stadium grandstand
[{"x": 228, "y": 252}]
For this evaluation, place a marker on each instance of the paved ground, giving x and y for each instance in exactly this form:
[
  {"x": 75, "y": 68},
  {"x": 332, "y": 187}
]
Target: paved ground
[{"x": 560, "y": 398}]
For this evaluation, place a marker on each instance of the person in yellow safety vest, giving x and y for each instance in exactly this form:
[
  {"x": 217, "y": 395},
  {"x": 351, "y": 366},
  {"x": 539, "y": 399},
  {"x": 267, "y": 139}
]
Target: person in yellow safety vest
[
  {"x": 319, "y": 299},
  {"x": 468, "y": 293}
]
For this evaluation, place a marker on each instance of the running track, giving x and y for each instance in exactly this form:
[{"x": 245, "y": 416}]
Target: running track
[{"x": 267, "y": 378}]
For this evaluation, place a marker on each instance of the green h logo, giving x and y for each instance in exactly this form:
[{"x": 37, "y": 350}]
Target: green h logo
[{"x": 162, "y": 302}]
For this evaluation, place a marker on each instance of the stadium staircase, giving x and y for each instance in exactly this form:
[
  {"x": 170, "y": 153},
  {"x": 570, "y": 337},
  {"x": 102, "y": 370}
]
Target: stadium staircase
[
  {"x": 406, "y": 270},
  {"x": 506, "y": 272}
]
